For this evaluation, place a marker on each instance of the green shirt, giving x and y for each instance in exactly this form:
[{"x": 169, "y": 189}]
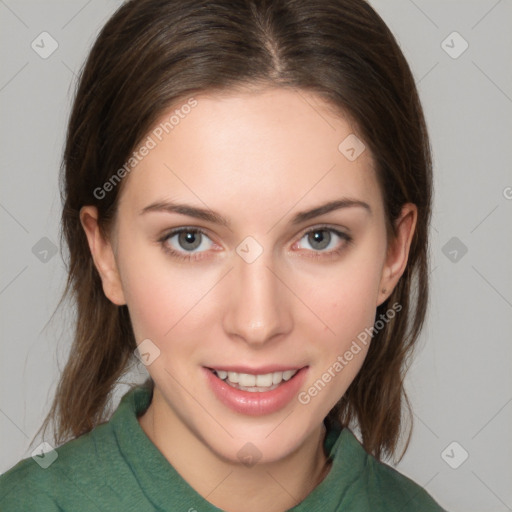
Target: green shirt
[{"x": 116, "y": 467}]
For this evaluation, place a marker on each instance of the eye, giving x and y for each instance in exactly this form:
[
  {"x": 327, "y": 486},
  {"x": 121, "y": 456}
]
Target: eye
[
  {"x": 324, "y": 240},
  {"x": 188, "y": 243},
  {"x": 181, "y": 241}
]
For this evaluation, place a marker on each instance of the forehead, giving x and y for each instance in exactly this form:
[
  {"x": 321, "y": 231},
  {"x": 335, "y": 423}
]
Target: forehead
[{"x": 266, "y": 147}]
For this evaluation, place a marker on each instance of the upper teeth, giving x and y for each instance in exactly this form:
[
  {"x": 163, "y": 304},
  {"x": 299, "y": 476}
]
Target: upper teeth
[{"x": 265, "y": 380}]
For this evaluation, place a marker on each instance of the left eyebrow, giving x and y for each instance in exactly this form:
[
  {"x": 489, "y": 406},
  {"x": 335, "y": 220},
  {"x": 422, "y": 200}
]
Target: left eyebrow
[
  {"x": 216, "y": 218},
  {"x": 329, "y": 207}
]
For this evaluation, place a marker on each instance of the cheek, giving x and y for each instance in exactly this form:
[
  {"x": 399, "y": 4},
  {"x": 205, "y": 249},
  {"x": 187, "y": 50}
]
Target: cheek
[
  {"x": 160, "y": 295},
  {"x": 150, "y": 314},
  {"x": 345, "y": 342},
  {"x": 345, "y": 297},
  {"x": 347, "y": 308},
  {"x": 158, "y": 308}
]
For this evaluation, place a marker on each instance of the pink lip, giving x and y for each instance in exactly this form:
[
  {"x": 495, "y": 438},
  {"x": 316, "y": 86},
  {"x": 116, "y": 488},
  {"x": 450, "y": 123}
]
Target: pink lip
[
  {"x": 257, "y": 403},
  {"x": 262, "y": 370}
]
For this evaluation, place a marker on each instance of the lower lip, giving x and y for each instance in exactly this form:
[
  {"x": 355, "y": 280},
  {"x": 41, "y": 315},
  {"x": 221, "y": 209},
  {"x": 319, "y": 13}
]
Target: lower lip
[{"x": 259, "y": 402}]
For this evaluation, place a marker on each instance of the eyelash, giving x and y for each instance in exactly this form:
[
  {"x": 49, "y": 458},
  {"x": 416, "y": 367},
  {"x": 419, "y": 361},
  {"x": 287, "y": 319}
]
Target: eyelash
[{"x": 198, "y": 256}]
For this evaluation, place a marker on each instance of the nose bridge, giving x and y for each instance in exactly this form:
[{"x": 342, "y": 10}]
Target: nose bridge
[{"x": 258, "y": 309}]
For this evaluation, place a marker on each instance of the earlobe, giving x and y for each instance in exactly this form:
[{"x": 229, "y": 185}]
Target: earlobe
[
  {"x": 102, "y": 255},
  {"x": 398, "y": 251}
]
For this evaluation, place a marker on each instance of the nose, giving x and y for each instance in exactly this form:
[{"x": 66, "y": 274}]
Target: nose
[{"x": 258, "y": 307}]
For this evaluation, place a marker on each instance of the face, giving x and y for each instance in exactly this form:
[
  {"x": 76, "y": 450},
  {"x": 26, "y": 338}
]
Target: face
[{"x": 228, "y": 258}]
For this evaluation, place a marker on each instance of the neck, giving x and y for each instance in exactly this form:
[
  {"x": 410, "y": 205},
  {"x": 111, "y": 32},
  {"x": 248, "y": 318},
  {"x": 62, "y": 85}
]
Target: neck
[{"x": 273, "y": 487}]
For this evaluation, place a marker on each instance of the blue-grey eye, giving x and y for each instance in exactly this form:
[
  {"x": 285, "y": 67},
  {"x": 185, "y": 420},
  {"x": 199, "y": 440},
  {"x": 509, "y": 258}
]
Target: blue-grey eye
[
  {"x": 188, "y": 240},
  {"x": 320, "y": 239}
]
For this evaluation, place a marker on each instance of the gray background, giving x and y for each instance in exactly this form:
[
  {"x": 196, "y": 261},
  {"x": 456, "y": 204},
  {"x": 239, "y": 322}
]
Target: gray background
[{"x": 460, "y": 384}]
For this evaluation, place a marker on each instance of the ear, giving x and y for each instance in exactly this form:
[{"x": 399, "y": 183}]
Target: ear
[
  {"x": 102, "y": 255},
  {"x": 398, "y": 251}
]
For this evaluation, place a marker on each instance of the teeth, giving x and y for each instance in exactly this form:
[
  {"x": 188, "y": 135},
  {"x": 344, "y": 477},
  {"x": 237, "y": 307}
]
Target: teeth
[
  {"x": 266, "y": 380},
  {"x": 244, "y": 379},
  {"x": 288, "y": 374},
  {"x": 233, "y": 377}
]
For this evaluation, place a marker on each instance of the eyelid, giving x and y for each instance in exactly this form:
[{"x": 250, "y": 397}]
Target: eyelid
[{"x": 327, "y": 227}]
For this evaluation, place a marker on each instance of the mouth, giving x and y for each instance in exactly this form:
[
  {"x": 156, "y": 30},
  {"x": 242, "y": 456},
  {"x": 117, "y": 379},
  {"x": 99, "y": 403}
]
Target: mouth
[
  {"x": 256, "y": 381},
  {"x": 256, "y": 391}
]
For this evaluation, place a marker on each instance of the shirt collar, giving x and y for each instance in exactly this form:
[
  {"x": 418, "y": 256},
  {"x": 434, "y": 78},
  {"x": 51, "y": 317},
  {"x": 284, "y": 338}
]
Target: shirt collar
[{"x": 155, "y": 474}]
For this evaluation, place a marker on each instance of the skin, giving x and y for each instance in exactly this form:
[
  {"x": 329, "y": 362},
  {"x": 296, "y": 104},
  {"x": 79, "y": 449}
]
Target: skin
[{"x": 256, "y": 157}]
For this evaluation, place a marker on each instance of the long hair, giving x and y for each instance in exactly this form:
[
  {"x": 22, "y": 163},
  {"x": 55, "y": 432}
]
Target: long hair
[{"x": 152, "y": 53}]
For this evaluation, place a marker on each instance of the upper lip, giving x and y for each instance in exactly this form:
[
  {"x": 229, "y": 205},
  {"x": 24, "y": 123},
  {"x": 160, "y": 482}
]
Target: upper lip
[{"x": 262, "y": 370}]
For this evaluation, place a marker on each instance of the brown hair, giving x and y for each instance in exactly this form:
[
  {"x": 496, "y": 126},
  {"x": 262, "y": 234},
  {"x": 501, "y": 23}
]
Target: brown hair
[{"x": 153, "y": 52}]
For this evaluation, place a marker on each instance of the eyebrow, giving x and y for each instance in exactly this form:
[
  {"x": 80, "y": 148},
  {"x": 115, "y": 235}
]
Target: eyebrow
[{"x": 216, "y": 218}]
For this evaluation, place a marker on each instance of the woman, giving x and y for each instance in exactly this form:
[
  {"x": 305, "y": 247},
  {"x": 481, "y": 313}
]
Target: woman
[{"x": 247, "y": 194}]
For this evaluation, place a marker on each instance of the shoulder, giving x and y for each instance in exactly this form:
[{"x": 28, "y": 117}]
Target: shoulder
[
  {"x": 385, "y": 489},
  {"x": 90, "y": 473},
  {"x": 395, "y": 491},
  {"x": 45, "y": 481}
]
